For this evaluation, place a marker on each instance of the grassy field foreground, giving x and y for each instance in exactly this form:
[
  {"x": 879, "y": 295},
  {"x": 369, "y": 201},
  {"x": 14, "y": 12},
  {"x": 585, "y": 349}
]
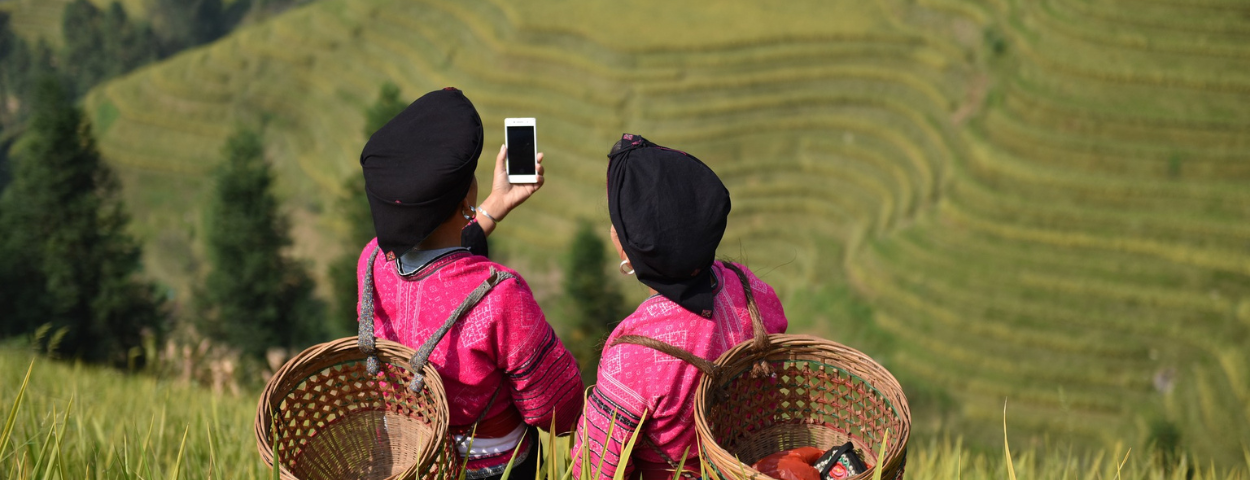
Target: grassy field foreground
[{"x": 78, "y": 422}]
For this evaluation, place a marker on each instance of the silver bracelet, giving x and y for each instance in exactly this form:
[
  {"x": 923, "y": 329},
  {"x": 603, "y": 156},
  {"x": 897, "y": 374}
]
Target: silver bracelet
[{"x": 488, "y": 215}]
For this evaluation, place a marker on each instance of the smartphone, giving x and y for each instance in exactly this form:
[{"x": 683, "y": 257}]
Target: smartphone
[{"x": 521, "y": 137}]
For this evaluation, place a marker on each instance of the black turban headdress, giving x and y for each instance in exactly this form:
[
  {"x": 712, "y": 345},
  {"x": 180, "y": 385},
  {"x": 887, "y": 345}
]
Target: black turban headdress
[
  {"x": 419, "y": 167},
  {"x": 669, "y": 210}
]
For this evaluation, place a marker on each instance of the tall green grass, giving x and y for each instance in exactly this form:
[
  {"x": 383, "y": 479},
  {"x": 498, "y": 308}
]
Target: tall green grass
[{"x": 68, "y": 421}]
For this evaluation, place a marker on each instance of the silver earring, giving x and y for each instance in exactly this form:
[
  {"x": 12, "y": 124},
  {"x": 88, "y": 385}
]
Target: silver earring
[
  {"x": 622, "y": 268},
  {"x": 467, "y": 216}
]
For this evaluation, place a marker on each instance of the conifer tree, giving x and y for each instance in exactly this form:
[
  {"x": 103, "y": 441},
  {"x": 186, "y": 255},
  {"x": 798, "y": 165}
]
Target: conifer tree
[
  {"x": 254, "y": 297},
  {"x": 101, "y": 44},
  {"x": 595, "y": 302},
  {"x": 354, "y": 208},
  {"x": 20, "y": 65},
  {"x": 65, "y": 257}
]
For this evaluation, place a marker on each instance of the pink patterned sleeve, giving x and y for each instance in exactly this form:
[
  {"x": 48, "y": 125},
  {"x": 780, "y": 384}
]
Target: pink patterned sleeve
[
  {"x": 543, "y": 374},
  {"x": 611, "y": 406}
]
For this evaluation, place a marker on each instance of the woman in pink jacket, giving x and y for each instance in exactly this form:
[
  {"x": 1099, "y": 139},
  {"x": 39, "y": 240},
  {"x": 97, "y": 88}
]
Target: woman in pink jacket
[
  {"x": 502, "y": 366},
  {"x": 668, "y": 212}
]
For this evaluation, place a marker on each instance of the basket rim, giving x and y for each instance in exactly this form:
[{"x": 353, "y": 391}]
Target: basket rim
[
  {"x": 743, "y": 355},
  {"x": 317, "y": 358}
]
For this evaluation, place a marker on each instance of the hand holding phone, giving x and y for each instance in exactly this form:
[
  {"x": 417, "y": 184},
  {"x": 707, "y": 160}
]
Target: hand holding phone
[
  {"x": 504, "y": 195},
  {"x": 521, "y": 137}
]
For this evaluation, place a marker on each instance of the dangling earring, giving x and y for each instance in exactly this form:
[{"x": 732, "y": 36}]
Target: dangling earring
[{"x": 622, "y": 267}]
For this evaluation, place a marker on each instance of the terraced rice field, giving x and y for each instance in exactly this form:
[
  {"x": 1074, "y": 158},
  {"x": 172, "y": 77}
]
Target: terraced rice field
[
  {"x": 1090, "y": 256},
  {"x": 1041, "y": 201}
]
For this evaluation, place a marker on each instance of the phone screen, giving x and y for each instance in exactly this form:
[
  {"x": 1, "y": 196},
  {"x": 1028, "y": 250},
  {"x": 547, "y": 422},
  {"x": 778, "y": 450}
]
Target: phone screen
[{"x": 521, "y": 151}]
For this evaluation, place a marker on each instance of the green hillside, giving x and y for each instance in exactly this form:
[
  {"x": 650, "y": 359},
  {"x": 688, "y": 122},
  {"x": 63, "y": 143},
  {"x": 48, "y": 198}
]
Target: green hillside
[{"x": 1042, "y": 201}]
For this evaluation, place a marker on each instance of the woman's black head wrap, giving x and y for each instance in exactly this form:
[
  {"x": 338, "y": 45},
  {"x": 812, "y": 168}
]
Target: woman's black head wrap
[
  {"x": 669, "y": 210},
  {"x": 419, "y": 167}
]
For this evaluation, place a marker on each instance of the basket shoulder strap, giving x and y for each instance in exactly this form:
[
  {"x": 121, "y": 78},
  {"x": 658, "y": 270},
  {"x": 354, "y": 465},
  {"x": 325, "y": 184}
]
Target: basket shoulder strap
[
  {"x": 422, "y": 357},
  {"x": 761, "y": 342},
  {"x": 364, "y": 330},
  {"x": 704, "y": 366}
]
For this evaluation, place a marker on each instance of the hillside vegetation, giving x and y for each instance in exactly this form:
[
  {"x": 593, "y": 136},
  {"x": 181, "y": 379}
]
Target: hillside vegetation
[{"x": 1045, "y": 201}]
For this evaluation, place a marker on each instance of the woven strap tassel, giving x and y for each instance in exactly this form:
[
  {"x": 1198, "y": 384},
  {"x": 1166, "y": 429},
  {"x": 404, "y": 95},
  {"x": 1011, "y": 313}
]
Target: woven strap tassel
[
  {"x": 423, "y": 354},
  {"x": 365, "y": 337}
]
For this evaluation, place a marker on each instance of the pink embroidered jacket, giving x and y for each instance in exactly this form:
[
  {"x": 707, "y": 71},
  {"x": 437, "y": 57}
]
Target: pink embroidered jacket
[
  {"x": 503, "y": 343},
  {"x": 633, "y": 378}
]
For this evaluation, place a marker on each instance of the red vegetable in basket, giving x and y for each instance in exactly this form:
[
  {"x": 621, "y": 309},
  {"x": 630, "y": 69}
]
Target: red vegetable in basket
[{"x": 793, "y": 464}]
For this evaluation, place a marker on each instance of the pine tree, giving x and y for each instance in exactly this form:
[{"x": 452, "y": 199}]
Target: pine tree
[
  {"x": 354, "y": 209},
  {"x": 254, "y": 298},
  {"x": 102, "y": 44},
  {"x": 20, "y": 65},
  {"x": 386, "y": 107},
  {"x": 66, "y": 259},
  {"x": 595, "y": 302}
]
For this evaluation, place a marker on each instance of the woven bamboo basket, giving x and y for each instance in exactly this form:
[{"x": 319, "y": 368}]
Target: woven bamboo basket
[
  {"x": 820, "y": 394},
  {"x": 362, "y": 407},
  {"x": 332, "y": 419}
]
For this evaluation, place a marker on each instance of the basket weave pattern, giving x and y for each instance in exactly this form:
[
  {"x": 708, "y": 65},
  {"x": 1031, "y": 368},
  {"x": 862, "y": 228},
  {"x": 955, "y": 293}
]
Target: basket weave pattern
[
  {"x": 822, "y": 394},
  {"x": 331, "y": 419}
]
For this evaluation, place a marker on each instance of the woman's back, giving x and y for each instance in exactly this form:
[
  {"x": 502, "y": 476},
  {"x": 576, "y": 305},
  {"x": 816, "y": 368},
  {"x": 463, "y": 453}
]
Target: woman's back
[
  {"x": 502, "y": 353},
  {"x": 634, "y": 378}
]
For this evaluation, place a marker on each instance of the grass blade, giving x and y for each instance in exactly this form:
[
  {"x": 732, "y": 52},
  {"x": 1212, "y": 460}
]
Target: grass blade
[
  {"x": 40, "y": 455},
  {"x": 273, "y": 434},
  {"x": 702, "y": 461},
  {"x": 1121, "y": 467},
  {"x": 143, "y": 459},
  {"x": 464, "y": 467},
  {"x": 12, "y": 420},
  {"x": 606, "y": 443},
  {"x": 173, "y": 475},
  {"x": 551, "y": 449},
  {"x": 1011, "y": 469},
  {"x": 585, "y": 453},
  {"x": 212, "y": 452},
  {"x": 959, "y": 470},
  {"x": 569, "y": 472},
  {"x": 507, "y": 471},
  {"x": 880, "y": 468},
  {"x": 677, "y": 472},
  {"x": 629, "y": 449}
]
